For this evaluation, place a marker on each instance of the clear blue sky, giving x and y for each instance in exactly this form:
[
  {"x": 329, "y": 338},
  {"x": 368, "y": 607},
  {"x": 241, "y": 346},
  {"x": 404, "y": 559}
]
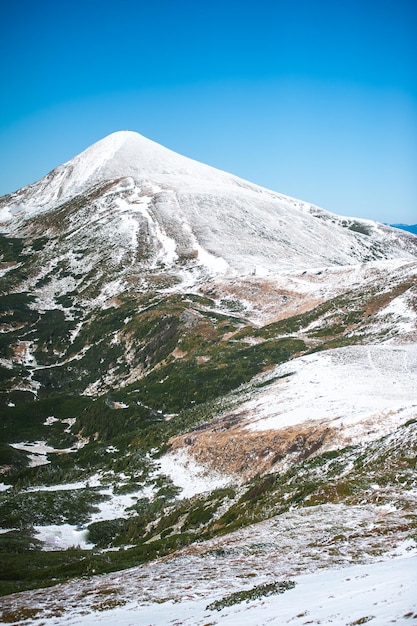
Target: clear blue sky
[{"x": 313, "y": 98}]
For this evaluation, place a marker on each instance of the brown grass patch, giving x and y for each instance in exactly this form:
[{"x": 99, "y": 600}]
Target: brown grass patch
[{"x": 227, "y": 446}]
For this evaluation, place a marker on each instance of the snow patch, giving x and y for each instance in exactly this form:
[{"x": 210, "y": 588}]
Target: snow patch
[
  {"x": 92, "y": 481},
  {"x": 50, "y": 420},
  {"x": 214, "y": 263},
  {"x": 401, "y": 311},
  {"x": 62, "y": 537},
  {"x": 191, "y": 477},
  {"x": 39, "y": 450},
  {"x": 380, "y": 593},
  {"x": 364, "y": 390}
]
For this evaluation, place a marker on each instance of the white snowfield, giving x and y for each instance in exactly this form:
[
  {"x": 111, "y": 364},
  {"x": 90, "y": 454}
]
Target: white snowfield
[
  {"x": 190, "y": 477},
  {"x": 340, "y": 585},
  {"x": 360, "y": 392},
  {"x": 366, "y": 391}
]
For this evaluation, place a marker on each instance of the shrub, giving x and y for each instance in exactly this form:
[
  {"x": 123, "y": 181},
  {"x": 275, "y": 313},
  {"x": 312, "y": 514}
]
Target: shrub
[{"x": 260, "y": 591}]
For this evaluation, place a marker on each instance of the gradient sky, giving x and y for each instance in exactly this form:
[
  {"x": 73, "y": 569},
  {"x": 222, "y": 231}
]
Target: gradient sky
[{"x": 316, "y": 99}]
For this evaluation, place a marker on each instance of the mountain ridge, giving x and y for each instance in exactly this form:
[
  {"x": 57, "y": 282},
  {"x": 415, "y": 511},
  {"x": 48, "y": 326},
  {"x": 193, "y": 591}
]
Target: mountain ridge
[
  {"x": 411, "y": 228},
  {"x": 122, "y": 154}
]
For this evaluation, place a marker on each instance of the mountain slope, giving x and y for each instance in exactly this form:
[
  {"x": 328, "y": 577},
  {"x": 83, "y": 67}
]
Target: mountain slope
[
  {"x": 184, "y": 354},
  {"x": 165, "y": 207}
]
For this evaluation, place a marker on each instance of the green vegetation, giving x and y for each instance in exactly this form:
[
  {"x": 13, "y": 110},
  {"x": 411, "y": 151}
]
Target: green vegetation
[
  {"x": 248, "y": 595},
  {"x": 175, "y": 344},
  {"x": 161, "y": 525},
  {"x": 184, "y": 382},
  {"x": 11, "y": 249},
  {"x": 23, "y": 510},
  {"x": 357, "y": 227},
  {"x": 159, "y": 364}
]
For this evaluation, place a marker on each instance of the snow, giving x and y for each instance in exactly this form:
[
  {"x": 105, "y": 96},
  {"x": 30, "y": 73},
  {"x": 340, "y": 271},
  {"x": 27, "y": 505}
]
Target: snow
[
  {"x": 191, "y": 477},
  {"x": 215, "y": 263},
  {"x": 92, "y": 481},
  {"x": 238, "y": 226},
  {"x": 70, "y": 421},
  {"x": 62, "y": 537},
  {"x": 123, "y": 154},
  {"x": 401, "y": 311},
  {"x": 140, "y": 205},
  {"x": 380, "y": 592},
  {"x": 348, "y": 562},
  {"x": 203, "y": 224},
  {"x": 109, "y": 290},
  {"x": 39, "y": 451},
  {"x": 116, "y": 505},
  {"x": 50, "y": 420},
  {"x": 364, "y": 390}
]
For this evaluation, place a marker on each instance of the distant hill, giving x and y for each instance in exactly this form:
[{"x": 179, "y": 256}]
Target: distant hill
[{"x": 407, "y": 227}]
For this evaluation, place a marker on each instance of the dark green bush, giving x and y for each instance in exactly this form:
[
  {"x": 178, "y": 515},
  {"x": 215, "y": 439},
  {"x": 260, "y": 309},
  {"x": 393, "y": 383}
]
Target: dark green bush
[{"x": 260, "y": 591}]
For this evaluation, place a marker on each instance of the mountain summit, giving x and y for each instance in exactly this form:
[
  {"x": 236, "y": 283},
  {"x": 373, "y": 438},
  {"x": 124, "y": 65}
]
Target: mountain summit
[{"x": 123, "y": 154}]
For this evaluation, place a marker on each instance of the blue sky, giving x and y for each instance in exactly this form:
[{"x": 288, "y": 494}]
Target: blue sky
[{"x": 316, "y": 99}]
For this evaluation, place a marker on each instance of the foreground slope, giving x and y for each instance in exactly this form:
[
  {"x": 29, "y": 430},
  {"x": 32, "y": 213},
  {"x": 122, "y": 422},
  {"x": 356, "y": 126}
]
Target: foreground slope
[{"x": 184, "y": 356}]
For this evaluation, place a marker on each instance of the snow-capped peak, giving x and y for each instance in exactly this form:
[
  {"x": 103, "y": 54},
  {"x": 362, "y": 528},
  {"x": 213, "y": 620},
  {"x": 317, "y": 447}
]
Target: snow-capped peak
[
  {"x": 122, "y": 154},
  {"x": 127, "y": 154},
  {"x": 198, "y": 207}
]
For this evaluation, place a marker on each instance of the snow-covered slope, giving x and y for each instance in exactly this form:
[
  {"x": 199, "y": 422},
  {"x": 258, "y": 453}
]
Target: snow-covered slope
[
  {"x": 194, "y": 210},
  {"x": 122, "y": 154},
  {"x": 320, "y": 402},
  {"x": 332, "y": 581}
]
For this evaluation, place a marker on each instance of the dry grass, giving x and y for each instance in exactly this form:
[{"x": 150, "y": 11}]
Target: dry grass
[{"x": 227, "y": 446}]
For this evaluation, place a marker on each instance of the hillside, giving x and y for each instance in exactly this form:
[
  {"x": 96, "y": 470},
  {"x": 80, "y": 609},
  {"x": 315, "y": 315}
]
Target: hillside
[{"x": 192, "y": 368}]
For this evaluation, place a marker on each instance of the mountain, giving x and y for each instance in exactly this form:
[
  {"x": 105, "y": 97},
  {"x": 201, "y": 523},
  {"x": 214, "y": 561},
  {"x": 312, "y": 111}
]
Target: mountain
[
  {"x": 188, "y": 361},
  {"x": 407, "y": 227},
  {"x": 148, "y": 201}
]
